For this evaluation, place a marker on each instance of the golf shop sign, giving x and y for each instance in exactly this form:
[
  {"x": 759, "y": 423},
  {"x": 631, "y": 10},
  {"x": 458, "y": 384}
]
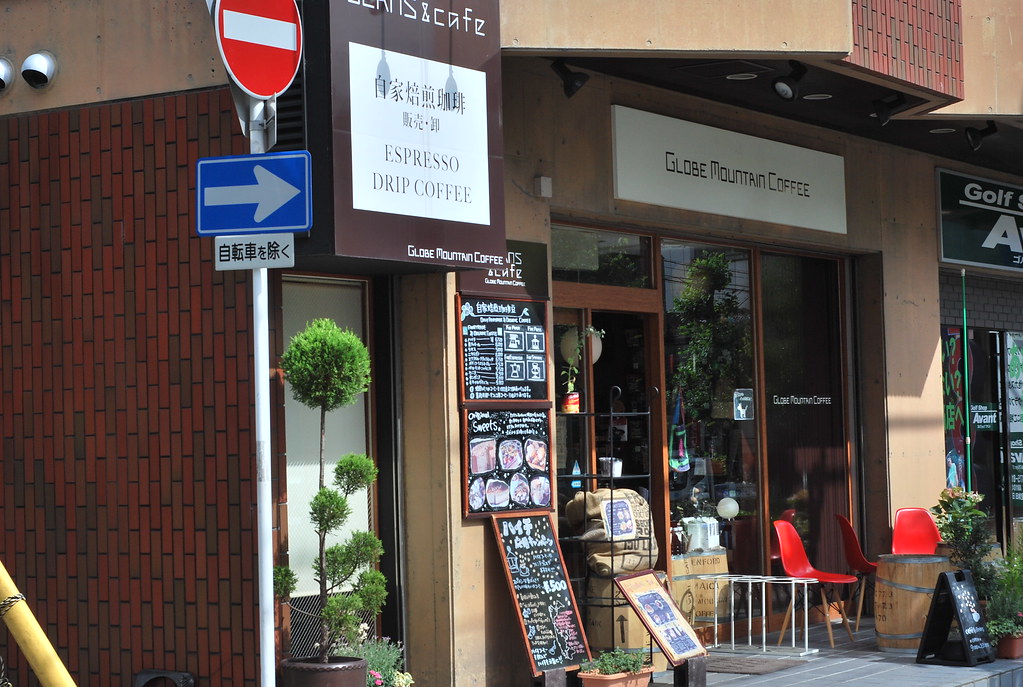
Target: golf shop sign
[{"x": 981, "y": 222}]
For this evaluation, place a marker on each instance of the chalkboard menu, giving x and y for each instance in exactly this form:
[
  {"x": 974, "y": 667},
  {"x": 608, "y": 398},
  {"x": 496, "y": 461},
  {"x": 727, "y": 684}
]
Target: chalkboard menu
[
  {"x": 548, "y": 615},
  {"x": 955, "y": 598},
  {"x": 503, "y": 349},
  {"x": 507, "y": 460},
  {"x": 661, "y": 616}
]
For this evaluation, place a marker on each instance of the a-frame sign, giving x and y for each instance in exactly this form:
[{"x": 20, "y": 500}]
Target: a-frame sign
[{"x": 955, "y": 598}]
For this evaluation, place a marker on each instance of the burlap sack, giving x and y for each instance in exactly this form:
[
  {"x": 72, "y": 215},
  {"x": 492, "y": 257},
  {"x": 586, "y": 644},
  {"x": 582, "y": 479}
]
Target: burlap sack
[{"x": 620, "y": 555}]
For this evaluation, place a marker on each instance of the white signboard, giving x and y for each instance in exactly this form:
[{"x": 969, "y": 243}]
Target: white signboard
[
  {"x": 664, "y": 161},
  {"x": 254, "y": 251},
  {"x": 419, "y": 137}
]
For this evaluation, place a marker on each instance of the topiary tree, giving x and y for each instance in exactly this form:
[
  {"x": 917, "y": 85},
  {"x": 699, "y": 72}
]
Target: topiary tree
[{"x": 327, "y": 368}]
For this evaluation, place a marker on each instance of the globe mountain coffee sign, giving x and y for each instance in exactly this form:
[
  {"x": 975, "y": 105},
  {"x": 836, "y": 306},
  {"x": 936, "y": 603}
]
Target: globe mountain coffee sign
[{"x": 981, "y": 221}]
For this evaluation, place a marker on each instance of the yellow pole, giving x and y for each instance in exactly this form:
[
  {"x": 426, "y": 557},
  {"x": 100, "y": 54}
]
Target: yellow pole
[{"x": 25, "y": 629}]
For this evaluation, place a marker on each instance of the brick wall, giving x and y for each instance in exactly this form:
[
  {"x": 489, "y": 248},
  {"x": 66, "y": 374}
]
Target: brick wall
[
  {"x": 917, "y": 41},
  {"x": 128, "y": 508},
  {"x": 990, "y": 303}
]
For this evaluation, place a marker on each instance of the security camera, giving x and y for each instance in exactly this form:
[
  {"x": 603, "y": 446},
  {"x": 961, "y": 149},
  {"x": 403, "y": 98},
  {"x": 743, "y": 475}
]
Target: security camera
[
  {"x": 38, "y": 69},
  {"x": 6, "y": 74}
]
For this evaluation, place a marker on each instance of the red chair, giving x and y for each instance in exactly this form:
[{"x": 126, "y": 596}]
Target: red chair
[
  {"x": 914, "y": 532},
  {"x": 856, "y": 561},
  {"x": 796, "y": 564}
]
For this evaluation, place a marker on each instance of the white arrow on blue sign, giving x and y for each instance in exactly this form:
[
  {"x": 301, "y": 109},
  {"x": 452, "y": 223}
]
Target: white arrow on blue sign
[{"x": 254, "y": 194}]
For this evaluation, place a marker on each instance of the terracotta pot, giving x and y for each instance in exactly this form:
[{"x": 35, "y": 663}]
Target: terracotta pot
[
  {"x": 570, "y": 402},
  {"x": 1010, "y": 647},
  {"x": 640, "y": 679},
  {"x": 338, "y": 671}
]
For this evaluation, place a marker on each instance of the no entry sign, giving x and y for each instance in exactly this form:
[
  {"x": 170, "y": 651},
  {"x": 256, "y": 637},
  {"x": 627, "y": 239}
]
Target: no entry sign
[{"x": 261, "y": 43}]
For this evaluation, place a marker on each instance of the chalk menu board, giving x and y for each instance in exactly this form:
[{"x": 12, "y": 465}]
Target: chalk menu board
[
  {"x": 661, "y": 616},
  {"x": 507, "y": 461},
  {"x": 535, "y": 570},
  {"x": 503, "y": 349},
  {"x": 955, "y": 598}
]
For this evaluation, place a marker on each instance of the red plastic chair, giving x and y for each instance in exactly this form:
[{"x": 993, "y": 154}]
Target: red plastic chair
[
  {"x": 914, "y": 532},
  {"x": 796, "y": 564},
  {"x": 856, "y": 561}
]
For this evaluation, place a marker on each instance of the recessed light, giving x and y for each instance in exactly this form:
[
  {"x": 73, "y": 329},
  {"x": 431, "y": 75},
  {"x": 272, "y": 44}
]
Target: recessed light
[
  {"x": 943, "y": 130},
  {"x": 817, "y": 96},
  {"x": 742, "y": 76}
]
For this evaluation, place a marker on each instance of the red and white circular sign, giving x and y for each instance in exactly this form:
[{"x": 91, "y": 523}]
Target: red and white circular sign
[{"x": 261, "y": 43}]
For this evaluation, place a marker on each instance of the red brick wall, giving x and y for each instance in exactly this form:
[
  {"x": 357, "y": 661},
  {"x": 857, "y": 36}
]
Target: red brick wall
[
  {"x": 918, "y": 41},
  {"x": 128, "y": 507}
]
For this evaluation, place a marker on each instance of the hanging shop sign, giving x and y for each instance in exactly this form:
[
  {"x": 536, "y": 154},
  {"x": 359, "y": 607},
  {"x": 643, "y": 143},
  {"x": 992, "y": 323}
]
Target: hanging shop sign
[
  {"x": 679, "y": 164},
  {"x": 523, "y": 274},
  {"x": 416, "y": 132},
  {"x": 503, "y": 349},
  {"x": 981, "y": 221},
  {"x": 1014, "y": 406},
  {"x": 507, "y": 460}
]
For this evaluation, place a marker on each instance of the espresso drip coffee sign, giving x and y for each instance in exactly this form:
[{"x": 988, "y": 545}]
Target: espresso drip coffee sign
[
  {"x": 966, "y": 644},
  {"x": 547, "y": 612}
]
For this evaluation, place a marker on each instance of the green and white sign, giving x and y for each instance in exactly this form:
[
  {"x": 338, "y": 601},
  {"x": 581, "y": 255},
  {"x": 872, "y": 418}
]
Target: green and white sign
[
  {"x": 1014, "y": 406},
  {"x": 981, "y": 221}
]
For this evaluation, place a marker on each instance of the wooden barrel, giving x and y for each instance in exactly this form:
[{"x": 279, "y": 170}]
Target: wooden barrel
[{"x": 902, "y": 598}]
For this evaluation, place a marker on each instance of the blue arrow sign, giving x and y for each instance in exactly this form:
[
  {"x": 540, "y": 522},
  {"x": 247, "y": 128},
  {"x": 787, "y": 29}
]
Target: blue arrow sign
[{"x": 254, "y": 194}]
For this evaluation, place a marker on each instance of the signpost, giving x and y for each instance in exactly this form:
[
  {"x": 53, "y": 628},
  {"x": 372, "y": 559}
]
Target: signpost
[
  {"x": 254, "y": 194},
  {"x": 261, "y": 44}
]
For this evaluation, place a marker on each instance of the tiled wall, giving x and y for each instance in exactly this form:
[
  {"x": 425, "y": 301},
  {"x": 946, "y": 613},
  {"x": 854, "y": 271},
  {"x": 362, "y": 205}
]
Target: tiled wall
[
  {"x": 128, "y": 507},
  {"x": 917, "y": 41},
  {"x": 990, "y": 303}
]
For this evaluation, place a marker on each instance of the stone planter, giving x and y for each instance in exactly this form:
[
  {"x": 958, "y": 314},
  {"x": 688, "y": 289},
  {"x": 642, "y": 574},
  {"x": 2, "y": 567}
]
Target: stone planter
[{"x": 338, "y": 671}]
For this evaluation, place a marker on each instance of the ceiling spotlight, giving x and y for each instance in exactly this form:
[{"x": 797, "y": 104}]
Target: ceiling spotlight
[
  {"x": 573, "y": 80},
  {"x": 38, "y": 69},
  {"x": 885, "y": 107},
  {"x": 6, "y": 74},
  {"x": 975, "y": 137},
  {"x": 787, "y": 87}
]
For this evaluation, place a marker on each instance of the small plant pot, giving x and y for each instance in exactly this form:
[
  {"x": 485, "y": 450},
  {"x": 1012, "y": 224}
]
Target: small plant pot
[
  {"x": 570, "y": 402},
  {"x": 640, "y": 679},
  {"x": 1010, "y": 647}
]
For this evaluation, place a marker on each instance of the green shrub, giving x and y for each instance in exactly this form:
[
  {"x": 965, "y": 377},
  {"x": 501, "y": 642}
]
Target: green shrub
[{"x": 617, "y": 661}]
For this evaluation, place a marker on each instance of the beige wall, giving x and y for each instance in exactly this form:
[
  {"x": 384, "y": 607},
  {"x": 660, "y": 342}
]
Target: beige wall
[
  {"x": 109, "y": 49},
  {"x": 992, "y": 59},
  {"x": 726, "y": 27}
]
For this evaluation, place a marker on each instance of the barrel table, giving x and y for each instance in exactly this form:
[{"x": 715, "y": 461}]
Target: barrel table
[{"x": 902, "y": 598}]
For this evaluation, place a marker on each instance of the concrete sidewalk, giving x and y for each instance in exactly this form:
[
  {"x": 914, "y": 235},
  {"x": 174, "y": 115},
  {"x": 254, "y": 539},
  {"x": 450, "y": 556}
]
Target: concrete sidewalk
[{"x": 861, "y": 663}]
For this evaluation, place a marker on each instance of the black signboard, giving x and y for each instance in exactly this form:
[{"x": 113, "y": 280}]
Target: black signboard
[
  {"x": 503, "y": 349},
  {"x": 507, "y": 460},
  {"x": 535, "y": 570},
  {"x": 955, "y": 598}
]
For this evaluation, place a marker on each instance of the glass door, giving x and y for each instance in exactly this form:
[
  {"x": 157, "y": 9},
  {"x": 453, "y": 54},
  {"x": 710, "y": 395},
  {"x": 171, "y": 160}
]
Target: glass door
[{"x": 804, "y": 411}]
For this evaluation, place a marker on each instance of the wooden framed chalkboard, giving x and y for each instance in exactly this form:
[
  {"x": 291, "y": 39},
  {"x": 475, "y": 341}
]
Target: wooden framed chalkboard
[
  {"x": 547, "y": 612},
  {"x": 661, "y": 616},
  {"x": 507, "y": 462},
  {"x": 503, "y": 349},
  {"x": 955, "y": 598}
]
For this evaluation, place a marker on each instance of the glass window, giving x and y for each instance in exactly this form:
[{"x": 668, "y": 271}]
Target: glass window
[
  {"x": 709, "y": 370},
  {"x": 589, "y": 256}
]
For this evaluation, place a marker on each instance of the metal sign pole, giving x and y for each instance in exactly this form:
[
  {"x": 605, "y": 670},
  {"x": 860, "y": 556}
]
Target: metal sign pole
[{"x": 258, "y": 126}]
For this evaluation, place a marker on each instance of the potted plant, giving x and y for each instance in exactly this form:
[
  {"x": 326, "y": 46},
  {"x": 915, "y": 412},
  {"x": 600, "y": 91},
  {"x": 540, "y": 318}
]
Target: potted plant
[
  {"x": 1005, "y": 607},
  {"x": 327, "y": 368},
  {"x": 963, "y": 529},
  {"x": 617, "y": 668},
  {"x": 385, "y": 662},
  {"x": 573, "y": 342}
]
